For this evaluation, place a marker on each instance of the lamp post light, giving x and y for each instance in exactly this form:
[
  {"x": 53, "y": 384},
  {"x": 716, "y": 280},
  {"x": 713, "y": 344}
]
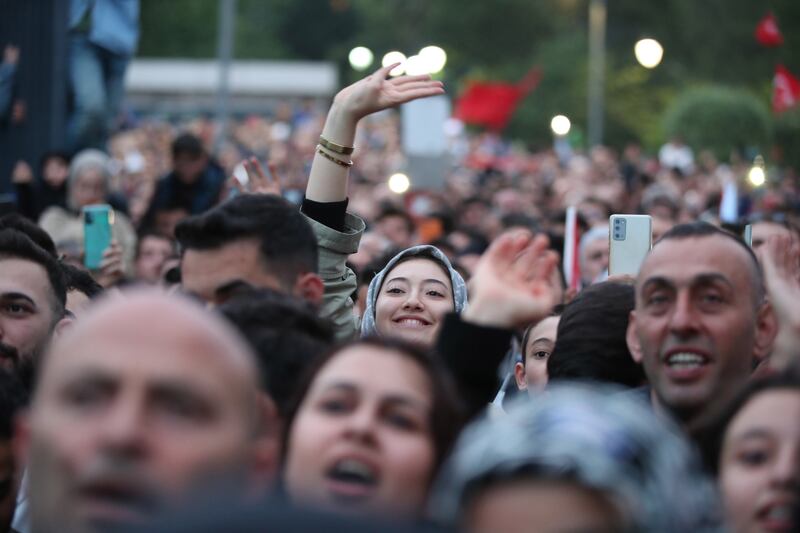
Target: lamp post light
[
  {"x": 399, "y": 183},
  {"x": 560, "y": 125},
  {"x": 648, "y": 52}
]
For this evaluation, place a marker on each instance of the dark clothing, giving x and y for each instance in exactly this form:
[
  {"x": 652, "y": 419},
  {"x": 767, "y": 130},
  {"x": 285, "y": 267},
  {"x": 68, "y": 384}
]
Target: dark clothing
[
  {"x": 195, "y": 198},
  {"x": 473, "y": 353},
  {"x": 331, "y": 214},
  {"x": 34, "y": 198}
]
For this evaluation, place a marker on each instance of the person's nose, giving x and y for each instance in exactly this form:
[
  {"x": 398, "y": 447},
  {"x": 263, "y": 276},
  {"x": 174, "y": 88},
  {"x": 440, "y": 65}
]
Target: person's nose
[
  {"x": 361, "y": 424},
  {"x": 413, "y": 300},
  {"x": 682, "y": 321},
  {"x": 123, "y": 429},
  {"x": 785, "y": 472}
]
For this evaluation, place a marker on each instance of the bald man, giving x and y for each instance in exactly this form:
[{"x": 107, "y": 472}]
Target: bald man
[{"x": 147, "y": 399}]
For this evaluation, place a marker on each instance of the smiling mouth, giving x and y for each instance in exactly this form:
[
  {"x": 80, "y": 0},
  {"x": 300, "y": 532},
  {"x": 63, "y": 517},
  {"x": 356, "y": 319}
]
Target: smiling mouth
[
  {"x": 685, "y": 360},
  {"x": 412, "y": 322}
]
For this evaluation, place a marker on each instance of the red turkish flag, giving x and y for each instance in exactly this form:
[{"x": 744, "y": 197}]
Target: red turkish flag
[
  {"x": 493, "y": 104},
  {"x": 785, "y": 90},
  {"x": 767, "y": 32}
]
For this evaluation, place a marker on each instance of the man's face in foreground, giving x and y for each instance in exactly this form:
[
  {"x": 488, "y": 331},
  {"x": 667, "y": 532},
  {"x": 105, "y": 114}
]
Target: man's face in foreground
[
  {"x": 697, "y": 327},
  {"x": 27, "y": 315},
  {"x": 138, "y": 405}
]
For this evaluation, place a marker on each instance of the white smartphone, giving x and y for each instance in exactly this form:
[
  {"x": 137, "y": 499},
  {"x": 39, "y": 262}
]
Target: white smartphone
[
  {"x": 630, "y": 239},
  {"x": 748, "y": 235}
]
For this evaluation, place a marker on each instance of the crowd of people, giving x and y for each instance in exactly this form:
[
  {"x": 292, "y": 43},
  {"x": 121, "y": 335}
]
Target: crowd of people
[{"x": 274, "y": 339}]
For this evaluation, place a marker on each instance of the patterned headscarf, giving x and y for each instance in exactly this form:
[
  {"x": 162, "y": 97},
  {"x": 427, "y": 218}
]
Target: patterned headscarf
[
  {"x": 423, "y": 252},
  {"x": 598, "y": 438}
]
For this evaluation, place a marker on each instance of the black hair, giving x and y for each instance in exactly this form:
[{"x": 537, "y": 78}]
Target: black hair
[
  {"x": 712, "y": 437},
  {"x": 704, "y": 229},
  {"x": 13, "y": 397},
  {"x": 391, "y": 211},
  {"x": 18, "y": 245},
  {"x": 79, "y": 279},
  {"x": 188, "y": 144},
  {"x": 285, "y": 333},
  {"x": 591, "y": 339},
  {"x": 371, "y": 269},
  {"x": 447, "y": 415},
  {"x": 34, "y": 232},
  {"x": 286, "y": 241},
  {"x": 53, "y": 154}
]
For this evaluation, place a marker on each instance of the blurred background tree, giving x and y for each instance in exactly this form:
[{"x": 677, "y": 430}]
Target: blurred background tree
[{"x": 708, "y": 42}]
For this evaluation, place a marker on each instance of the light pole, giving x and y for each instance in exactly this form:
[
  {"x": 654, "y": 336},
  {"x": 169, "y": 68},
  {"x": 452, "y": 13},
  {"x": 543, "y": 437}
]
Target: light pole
[
  {"x": 597, "y": 66},
  {"x": 226, "y": 31}
]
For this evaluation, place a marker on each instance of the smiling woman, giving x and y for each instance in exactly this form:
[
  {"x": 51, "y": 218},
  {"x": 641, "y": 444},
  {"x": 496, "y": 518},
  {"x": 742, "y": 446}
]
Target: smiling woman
[
  {"x": 368, "y": 430},
  {"x": 409, "y": 298}
]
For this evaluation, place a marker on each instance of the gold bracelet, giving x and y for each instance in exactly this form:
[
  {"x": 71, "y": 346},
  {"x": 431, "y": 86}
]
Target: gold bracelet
[
  {"x": 333, "y": 147},
  {"x": 323, "y": 153}
]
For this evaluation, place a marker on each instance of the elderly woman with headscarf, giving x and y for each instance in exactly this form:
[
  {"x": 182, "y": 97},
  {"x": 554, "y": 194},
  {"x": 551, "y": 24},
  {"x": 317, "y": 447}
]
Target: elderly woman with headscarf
[{"x": 88, "y": 183}]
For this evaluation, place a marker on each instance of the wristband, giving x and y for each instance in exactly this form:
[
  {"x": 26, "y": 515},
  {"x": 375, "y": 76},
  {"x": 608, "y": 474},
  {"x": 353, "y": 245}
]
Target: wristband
[
  {"x": 333, "y": 147},
  {"x": 326, "y": 155}
]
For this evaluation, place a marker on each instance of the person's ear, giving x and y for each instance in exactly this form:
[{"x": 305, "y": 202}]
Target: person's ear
[
  {"x": 519, "y": 376},
  {"x": 309, "y": 287},
  {"x": 766, "y": 331},
  {"x": 632, "y": 339},
  {"x": 62, "y": 326}
]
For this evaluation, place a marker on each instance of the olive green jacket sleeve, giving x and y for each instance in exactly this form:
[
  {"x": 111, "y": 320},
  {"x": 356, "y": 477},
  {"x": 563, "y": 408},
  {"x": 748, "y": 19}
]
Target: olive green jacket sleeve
[{"x": 340, "y": 281}]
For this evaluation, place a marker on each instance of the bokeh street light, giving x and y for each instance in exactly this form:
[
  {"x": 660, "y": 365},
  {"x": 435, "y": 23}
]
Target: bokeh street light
[
  {"x": 434, "y": 59},
  {"x": 395, "y": 57},
  {"x": 399, "y": 183},
  {"x": 360, "y": 58},
  {"x": 648, "y": 52},
  {"x": 415, "y": 65},
  {"x": 757, "y": 176},
  {"x": 560, "y": 125}
]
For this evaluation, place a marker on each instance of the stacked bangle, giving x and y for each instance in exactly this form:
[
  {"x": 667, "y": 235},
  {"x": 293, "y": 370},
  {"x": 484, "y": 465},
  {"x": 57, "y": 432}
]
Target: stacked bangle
[
  {"x": 329, "y": 157},
  {"x": 333, "y": 147}
]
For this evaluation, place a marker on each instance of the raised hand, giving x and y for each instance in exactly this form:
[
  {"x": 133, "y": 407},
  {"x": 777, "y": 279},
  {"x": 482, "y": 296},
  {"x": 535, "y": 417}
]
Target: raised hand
[
  {"x": 258, "y": 182},
  {"x": 513, "y": 284},
  {"x": 111, "y": 269},
  {"x": 780, "y": 259},
  {"x": 376, "y": 92}
]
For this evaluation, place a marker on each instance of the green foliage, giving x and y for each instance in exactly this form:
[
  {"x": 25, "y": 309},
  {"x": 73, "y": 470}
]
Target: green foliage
[{"x": 720, "y": 119}]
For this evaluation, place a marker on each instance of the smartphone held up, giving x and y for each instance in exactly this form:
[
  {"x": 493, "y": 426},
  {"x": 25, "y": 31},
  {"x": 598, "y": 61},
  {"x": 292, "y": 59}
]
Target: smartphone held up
[
  {"x": 630, "y": 240},
  {"x": 98, "y": 220}
]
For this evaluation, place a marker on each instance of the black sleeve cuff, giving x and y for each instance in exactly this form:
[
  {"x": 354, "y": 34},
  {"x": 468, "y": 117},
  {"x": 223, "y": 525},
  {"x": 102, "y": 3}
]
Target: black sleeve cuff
[{"x": 330, "y": 214}]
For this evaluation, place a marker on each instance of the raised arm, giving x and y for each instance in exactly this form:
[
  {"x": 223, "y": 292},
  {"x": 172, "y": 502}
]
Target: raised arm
[{"x": 327, "y": 181}]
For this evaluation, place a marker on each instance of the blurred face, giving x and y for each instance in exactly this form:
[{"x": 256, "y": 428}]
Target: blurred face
[
  {"x": 27, "y": 317},
  {"x": 595, "y": 259},
  {"x": 395, "y": 229},
  {"x": 695, "y": 327},
  {"x": 541, "y": 506},
  {"x": 540, "y": 343},
  {"x": 764, "y": 230},
  {"x": 88, "y": 188},
  {"x": 188, "y": 167},
  {"x": 760, "y": 463},
  {"x": 153, "y": 253},
  {"x": 55, "y": 172},
  {"x": 361, "y": 442},
  {"x": 124, "y": 422},
  {"x": 212, "y": 274},
  {"x": 413, "y": 300}
]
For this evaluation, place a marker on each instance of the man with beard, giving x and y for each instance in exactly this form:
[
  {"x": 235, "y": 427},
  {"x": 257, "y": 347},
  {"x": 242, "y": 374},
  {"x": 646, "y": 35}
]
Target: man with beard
[
  {"x": 32, "y": 301},
  {"x": 145, "y": 400},
  {"x": 701, "y": 322}
]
